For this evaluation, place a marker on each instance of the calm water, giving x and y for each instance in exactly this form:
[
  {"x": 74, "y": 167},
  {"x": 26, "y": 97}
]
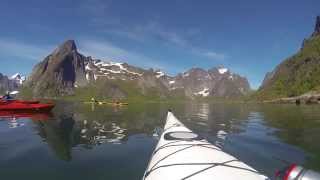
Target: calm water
[{"x": 79, "y": 141}]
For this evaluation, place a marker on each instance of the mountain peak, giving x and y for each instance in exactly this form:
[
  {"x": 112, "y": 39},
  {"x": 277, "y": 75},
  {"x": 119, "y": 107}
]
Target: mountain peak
[
  {"x": 317, "y": 27},
  {"x": 67, "y": 46}
]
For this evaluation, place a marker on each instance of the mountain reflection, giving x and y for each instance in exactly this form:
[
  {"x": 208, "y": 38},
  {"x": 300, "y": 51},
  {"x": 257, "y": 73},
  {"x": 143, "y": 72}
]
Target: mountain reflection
[
  {"x": 75, "y": 125},
  {"x": 59, "y": 134}
]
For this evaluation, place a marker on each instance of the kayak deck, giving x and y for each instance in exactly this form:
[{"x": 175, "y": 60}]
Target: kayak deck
[{"x": 182, "y": 154}]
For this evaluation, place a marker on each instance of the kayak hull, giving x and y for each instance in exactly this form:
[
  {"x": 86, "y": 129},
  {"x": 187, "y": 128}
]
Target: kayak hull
[
  {"x": 13, "y": 106},
  {"x": 182, "y": 154}
]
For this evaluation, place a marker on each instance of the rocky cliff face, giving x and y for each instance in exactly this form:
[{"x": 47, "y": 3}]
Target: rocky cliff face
[
  {"x": 317, "y": 27},
  {"x": 298, "y": 74},
  {"x": 59, "y": 72},
  {"x": 66, "y": 70}
]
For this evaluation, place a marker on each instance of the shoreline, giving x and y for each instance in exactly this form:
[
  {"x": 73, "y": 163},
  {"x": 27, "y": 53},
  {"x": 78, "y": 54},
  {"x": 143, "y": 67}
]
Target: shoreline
[{"x": 308, "y": 98}]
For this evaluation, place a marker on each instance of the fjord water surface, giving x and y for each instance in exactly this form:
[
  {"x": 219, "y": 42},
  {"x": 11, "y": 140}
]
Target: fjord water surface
[{"x": 80, "y": 141}]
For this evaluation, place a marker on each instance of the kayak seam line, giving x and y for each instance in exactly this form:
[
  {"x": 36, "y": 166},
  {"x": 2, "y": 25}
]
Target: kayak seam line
[
  {"x": 207, "y": 168},
  {"x": 174, "y": 125},
  {"x": 230, "y": 166},
  {"x": 201, "y": 145},
  {"x": 156, "y": 150},
  {"x": 151, "y": 169},
  {"x": 191, "y": 145},
  {"x": 183, "y": 164},
  {"x": 167, "y": 144},
  {"x": 194, "y": 164}
]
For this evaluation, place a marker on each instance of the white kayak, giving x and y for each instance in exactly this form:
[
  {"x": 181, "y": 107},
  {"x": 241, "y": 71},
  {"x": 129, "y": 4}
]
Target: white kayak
[{"x": 182, "y": 154}]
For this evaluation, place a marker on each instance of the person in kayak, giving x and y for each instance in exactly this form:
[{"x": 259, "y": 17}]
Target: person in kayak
[
  {"x": 93, "y": 100},
  {"x": 7, "y": 96}
]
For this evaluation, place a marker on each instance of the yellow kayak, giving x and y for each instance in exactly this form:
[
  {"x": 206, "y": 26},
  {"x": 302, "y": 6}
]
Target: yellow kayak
[
  {"x": 104, "y": 102},
  {"x": 118, "y": 104}
]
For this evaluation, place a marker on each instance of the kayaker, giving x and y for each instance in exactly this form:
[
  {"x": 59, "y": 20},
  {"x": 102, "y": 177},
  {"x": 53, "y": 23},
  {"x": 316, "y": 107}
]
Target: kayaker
[
  {"x": 93, "y": 100},
  {"x": 7, "y": 96}
]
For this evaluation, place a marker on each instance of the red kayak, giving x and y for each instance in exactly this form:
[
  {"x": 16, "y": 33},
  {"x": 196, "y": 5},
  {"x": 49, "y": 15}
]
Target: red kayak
[
  {"x": 18, "y": 106},
  {"x": 27, "y": 102},
  {"x": 21, "y": 101}
]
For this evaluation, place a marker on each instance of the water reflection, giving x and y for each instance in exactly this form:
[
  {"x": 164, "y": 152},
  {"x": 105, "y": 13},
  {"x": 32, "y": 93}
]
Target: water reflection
[
  {"x": 122, "y": 139},
  {"x": 14, "y": 117},
  {"x": 36, "y": 116},
  {"x": 13, "y": 123},
  {"x": 60, "y": 135},
  {"x": 299, "y": 126},
  {"x": 75, "y": 125},
  {"x": 97, "y": 133}
]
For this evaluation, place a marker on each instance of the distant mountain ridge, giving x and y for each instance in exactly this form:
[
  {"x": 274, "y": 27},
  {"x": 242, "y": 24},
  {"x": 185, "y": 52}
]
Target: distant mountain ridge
[
  {"x": 10, "y": 83},
  {"x": 67, "y": 72},
  {"x": 298, "y": 74}
]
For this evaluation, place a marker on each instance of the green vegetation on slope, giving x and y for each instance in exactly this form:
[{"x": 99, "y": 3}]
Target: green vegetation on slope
[
  {"x": 296, "y": 75},
  {"x": 128, "y": 91}
]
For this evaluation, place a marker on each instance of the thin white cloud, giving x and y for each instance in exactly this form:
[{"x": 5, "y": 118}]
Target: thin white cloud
[
  {"x": 154, "y": 30},
  {"x": 214, "y": 55},
  {"x": 99, "y": 16},
  {"x": 150, "y": 30},
  {"x": 170, "y": 36},
  {"x": 96, "y": 8},
  {"x": 98, "y": 12},
  {"x": 19, "y": 49}
]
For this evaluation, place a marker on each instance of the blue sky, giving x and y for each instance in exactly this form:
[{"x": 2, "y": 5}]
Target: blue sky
[{"x": 250, "y": 37}]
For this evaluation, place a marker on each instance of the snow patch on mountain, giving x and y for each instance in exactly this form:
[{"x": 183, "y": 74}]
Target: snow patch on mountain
[
  {"x": 205, "y": 92},
  {"x": 18, "y": 78},
  {"x": 186, "y": 74},
  {"x": 105, "y": 67},
  {"x": 159, "y": 74},
  {"x": 222, "y": 70},
  {"x": 17, "y": 75},
  {"x": 87, "y": 68}
]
